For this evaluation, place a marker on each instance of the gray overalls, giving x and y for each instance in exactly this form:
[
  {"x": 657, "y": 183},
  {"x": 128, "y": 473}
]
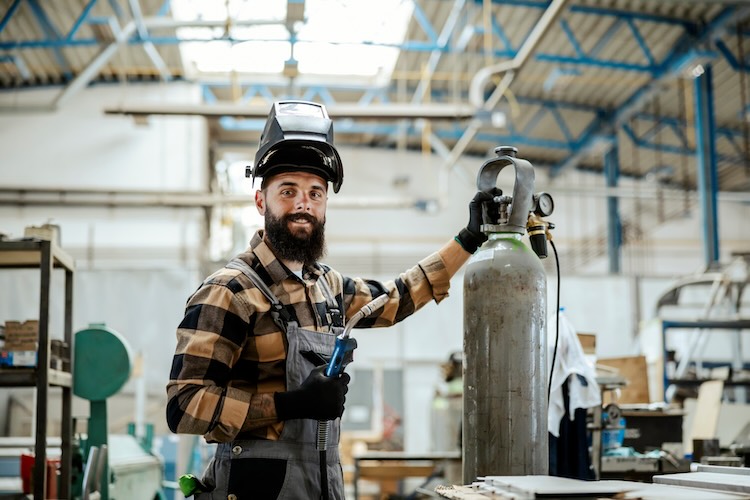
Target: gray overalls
[{"x": 289, "y": 468}]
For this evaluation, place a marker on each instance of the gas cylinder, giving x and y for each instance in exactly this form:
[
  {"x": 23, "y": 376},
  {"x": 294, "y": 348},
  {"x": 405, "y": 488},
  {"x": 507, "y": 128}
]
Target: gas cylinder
[{"x": 505, "y": 367}]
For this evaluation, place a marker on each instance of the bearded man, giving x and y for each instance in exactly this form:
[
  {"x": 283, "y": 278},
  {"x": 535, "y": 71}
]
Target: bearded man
[{"x": 248, "y": 370}]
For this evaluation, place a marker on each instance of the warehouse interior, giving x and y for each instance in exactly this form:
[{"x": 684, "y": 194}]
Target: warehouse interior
[{"x": 126, "y": 127}]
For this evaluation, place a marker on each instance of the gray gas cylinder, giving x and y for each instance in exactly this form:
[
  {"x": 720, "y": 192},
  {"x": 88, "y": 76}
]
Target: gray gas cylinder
[{"x": 505, "y": 368}]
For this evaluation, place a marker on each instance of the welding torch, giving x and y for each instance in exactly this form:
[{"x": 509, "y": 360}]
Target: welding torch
[{"x": 343, "y": 354}]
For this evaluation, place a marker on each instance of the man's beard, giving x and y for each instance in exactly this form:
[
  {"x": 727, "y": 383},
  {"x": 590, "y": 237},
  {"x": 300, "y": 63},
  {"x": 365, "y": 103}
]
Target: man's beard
[{"x": 300, "y": 247}]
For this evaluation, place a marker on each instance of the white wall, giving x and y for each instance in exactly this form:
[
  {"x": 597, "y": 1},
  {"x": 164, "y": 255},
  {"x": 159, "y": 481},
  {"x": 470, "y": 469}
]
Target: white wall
[
  {"x": 143, "y": 298},
  {"x": 79, "y": 147}
]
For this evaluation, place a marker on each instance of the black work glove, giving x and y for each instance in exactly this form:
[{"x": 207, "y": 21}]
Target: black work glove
[
  {"x": 319, "y": 397},
  {"x": 471, "y": 237}
]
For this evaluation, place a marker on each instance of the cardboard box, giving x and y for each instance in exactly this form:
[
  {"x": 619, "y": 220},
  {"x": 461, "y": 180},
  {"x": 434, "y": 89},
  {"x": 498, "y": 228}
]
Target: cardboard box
[
  {"x": 26, "y": 345},
  {"x": 18, "y": 358},
  {"x": 17, "y": 331}
]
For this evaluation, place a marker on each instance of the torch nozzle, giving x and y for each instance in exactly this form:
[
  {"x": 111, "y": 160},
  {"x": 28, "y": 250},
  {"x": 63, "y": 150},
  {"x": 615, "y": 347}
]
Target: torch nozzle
[{"x": 366, "y": 310}]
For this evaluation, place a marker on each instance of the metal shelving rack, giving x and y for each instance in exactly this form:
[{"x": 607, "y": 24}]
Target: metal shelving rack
[
  {"x": 738, "y": 325},
  {"x": 46, "y": 256}
]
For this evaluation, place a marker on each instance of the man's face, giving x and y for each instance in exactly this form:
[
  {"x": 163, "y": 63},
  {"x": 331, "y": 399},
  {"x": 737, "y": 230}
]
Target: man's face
[{"x": 294, "y": 206}]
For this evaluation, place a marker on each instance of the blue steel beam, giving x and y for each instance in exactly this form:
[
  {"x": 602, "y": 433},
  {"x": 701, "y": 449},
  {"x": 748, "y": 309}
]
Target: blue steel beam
[
  {"x": 442, "y": 42},
  {"x": 164, "y": 9},
  {"x": 607, "y": 37},
  {"x": 15, "y": 60},
  {"x": 51, "y": 32},
  {"x": 322, "y": 92},
  {"x": 499, "y": 32},
  {"x": 641, "y": 42},
  {"x": 679, "y": 57},
  {"x": 114, "y": 4},
  {"x": 409, "y": 46},
  {"x": 11, "y": 10},
  {"x": 424, "y": 23},
  {"x": 572, "y": 38},
  {"x": 680, "y": 127},
  {"x": 433, "y": 45},
  {"x": 708, "y": 184},
  {"x": 614, "y": 223},
  {"x": 644, "y": 140},
  {"x": 730, "y": 57},
  {"x": 690, "y": 26},
  {"x": 80, "y": 20}
]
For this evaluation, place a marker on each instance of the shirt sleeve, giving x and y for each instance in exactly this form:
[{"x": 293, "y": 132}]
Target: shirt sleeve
[
  {"x": 428, "y": 280},
  {"x": 201, "y": 397}
]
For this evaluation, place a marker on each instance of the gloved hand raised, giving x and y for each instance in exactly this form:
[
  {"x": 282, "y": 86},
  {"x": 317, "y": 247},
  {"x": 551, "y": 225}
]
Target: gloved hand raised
[
  {"x": 319, "y": 397},
  {"x": 472, "y": 237}
]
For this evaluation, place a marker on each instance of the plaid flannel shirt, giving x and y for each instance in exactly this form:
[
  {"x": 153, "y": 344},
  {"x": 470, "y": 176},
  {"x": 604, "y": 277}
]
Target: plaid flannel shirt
[{"x": 230, "y": 355}]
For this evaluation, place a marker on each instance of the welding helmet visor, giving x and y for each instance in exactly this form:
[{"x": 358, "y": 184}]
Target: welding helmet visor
[{"x": 298, "y": 136}]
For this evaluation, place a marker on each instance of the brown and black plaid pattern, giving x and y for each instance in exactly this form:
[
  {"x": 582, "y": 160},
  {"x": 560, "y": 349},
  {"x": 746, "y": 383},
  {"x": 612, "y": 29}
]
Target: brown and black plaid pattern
[{"x": 230, "y": 355}]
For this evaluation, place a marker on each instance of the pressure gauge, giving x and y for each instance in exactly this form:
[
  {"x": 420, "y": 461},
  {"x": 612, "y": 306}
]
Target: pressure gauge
[{"x": 543, "y": 204}]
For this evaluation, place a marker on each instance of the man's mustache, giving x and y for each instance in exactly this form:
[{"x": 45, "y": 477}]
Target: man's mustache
[{"x": 300, "y": 217}]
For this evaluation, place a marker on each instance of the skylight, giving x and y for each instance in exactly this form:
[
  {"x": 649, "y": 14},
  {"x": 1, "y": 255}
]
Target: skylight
[{"x": 336, "y": 37}]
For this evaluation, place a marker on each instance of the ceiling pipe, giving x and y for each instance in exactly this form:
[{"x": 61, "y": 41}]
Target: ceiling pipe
[
  {"x": 509, "y": 69},
  {"x": 523, "y": 55},
  {"x": 45, "y": 197},
  {"x": 37, "y": 196},
  {"x": 428, "y": 111}
]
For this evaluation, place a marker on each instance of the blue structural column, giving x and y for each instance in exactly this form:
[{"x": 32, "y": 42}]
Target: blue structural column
[
  {"x": 708, "y": 183},
  {"x": 614, "y": 225}
]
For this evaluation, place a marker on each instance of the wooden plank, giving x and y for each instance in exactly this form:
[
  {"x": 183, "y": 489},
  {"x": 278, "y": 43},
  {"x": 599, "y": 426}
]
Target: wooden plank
[
  {"x": 706, "y": 414},
  {"x": 588, "y": 342},
  {"x": 391, "y": 471},
  {"x": 635, "y": 371}
]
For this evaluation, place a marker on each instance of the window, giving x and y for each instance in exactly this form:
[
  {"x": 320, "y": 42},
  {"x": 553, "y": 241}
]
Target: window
[{"x": 336, "y": 37}]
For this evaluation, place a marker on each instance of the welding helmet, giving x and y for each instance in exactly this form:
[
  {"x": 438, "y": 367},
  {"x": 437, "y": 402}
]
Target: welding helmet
[{"x": 298, "y": 137}]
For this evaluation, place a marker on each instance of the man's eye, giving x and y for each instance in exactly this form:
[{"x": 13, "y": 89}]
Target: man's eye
[
  {"x": 316, "y": 194},
  {"x": 287, "y": 192}
]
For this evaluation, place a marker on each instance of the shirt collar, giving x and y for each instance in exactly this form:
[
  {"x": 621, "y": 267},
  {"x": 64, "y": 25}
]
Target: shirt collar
[{"x": 273, "y": 265}]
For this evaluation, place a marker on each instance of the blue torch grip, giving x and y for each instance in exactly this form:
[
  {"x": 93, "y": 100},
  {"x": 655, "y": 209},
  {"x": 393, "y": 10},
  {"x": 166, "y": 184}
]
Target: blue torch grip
[{"x": 343, "y": 354}]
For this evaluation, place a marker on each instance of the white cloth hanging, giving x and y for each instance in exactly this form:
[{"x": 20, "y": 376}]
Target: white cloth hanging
[{"x": 583, "y": 390}]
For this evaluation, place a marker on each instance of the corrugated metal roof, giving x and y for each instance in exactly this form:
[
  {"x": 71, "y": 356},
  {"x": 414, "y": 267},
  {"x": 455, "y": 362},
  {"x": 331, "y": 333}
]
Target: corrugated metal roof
[{"x": 590, "y": 63}]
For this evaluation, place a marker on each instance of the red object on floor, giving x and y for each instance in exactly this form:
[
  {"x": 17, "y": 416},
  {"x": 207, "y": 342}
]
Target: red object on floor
[{"x": 27, "y": 472}]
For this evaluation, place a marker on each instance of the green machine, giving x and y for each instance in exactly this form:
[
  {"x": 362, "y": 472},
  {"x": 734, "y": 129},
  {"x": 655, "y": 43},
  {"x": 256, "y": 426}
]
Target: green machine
[{"x": 118, "y": 466}]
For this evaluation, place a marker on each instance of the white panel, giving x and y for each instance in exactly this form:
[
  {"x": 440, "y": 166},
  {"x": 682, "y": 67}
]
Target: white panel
[
  {"x": 79, "y": 146},
  {"x": 598, "y": 305},
  {"x": 436, "y": 331},
  {"x": 420, "y": 382}
]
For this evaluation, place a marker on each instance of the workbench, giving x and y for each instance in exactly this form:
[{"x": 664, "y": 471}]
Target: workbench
[
  {"x": 389, "y": 467},
  {"x": 705, "y": 483}
]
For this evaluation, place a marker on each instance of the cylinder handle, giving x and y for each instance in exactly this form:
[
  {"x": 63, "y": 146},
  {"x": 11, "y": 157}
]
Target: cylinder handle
[{"x": 523, "y": 188}]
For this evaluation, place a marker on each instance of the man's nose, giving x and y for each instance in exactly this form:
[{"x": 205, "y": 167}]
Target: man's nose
[{"x": 303, "y": 202}]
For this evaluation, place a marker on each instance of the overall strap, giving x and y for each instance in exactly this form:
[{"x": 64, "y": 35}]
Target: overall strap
[
  {"x": 336, "y": 318},
  {"x": 279, "y": 315}
]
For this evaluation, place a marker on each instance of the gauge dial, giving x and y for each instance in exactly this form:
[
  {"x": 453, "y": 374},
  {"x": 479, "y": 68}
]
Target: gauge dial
[{"x": 544, "y": 204}]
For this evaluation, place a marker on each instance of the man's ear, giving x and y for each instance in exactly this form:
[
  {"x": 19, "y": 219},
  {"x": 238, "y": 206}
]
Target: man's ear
[{"x": 260, "y": 202}]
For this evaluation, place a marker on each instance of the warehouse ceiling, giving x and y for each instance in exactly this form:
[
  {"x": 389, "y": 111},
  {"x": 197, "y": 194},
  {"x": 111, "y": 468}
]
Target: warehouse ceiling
[{"x": 563, "y": 81}]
